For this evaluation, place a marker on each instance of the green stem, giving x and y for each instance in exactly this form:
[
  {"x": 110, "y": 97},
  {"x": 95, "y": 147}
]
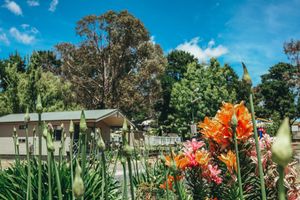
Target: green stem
[
  {"x": 166, "y": 177},
  {"x": 71, "y": 163},
  {"x": 57, "y": 177},
  {"x": 260, "y": 168},
  {"x": 104, "y": 175},
  {"x": 40, "y": 157},
  {"x": 130, "y": 178},
  {"x": 281, "y": 189},
  {"x": 83, "y": 153},
  {"x": 125, "y": 193},
  {"x": 29, "y": 191},
  {"x": 49, "y": 176},
  {"x": 238, "y": 164}
]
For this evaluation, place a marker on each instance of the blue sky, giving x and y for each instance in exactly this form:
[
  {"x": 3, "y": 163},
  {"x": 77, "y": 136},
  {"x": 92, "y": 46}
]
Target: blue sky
[{"x": 252, "y": 31}]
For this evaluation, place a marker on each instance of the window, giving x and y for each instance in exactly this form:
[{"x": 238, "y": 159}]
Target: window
[
  {"x": 22, "y": 140},
  {"x": 22, "y": 127},
  {"x": 57, "y": 133}
]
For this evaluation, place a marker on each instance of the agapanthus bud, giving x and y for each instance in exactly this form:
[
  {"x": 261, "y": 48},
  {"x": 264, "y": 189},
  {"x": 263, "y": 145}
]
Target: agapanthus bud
[
  {"x": 14, "y": 132},
  {"x": 78, "y": 186},
  {"x": 125, "y": 126},
  {"x": 246, "y": 76},
  {"x": 45, "y": 131},
  {"x": 71, "y": 128},
  {"x": 82, "y": 124},
  {"x": 27, "y": 116},
  {"x": 39, "y": 107},
  {"x": 50, "y": 145},
  {"x": 128, "y": 150},
  {"x": 123, "y": 160},
  {"x": 282, "y": 151},
  {"x": 234, "y": 120},
  {"x": 100, "y": 142}
]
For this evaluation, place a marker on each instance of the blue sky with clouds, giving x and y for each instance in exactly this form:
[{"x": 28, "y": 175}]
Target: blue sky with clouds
[{"x": 252, "y": 31}]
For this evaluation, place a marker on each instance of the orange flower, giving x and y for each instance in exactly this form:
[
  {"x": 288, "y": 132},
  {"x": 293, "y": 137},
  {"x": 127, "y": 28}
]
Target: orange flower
[
  {"x": 169, "y": 182},
  {"x": 219, "y": 128},
  {"x": 180, "y": 161},
  {"x": 244, "y": 128},
  {"x": 212, "y": 129},
  {"x": 230, "y": 160},
  {"x": 202, "y": 157}
]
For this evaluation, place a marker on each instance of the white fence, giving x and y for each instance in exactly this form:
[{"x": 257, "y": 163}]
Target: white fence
[{"x": 161, "y": 140}]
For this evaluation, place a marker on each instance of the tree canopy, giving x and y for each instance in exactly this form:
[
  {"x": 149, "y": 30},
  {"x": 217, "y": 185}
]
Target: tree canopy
[
  {"x": 115, "y": 65},
  {"x": 200, "y": 93}
]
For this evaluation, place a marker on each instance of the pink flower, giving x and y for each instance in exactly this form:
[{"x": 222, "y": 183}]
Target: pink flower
[
  {"x": 193, "y": 145},
  {"x": 214, "y": 174},
  {"x": 192, "y": 159}
]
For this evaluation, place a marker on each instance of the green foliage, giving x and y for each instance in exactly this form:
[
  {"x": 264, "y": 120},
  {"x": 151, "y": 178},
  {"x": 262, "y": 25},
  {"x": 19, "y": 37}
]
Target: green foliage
[
  {"x": 13, "y": 182},
  {"x": 175, "y": 70},
  {"x": 115, "y": 65},
  {"x": 20, "y": 88},
  {"x": 200, "y": 93},
  {"x": 276, "y": 93}
]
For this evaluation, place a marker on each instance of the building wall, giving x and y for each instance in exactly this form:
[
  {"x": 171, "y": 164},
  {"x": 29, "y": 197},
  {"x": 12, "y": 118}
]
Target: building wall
[{"x": 7, "y": 144}]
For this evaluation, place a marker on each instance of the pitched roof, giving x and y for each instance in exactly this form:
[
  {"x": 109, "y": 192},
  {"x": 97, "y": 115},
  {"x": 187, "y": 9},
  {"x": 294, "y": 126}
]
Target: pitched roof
[{"x": 60, "y": 116}]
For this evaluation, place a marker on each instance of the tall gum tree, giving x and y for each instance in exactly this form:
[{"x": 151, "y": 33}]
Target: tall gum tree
[{"x": 115, "y": 65}]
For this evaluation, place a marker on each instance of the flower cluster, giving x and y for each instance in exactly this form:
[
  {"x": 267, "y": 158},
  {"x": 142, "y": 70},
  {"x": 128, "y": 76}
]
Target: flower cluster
[
  {"x": 270, "y": 168},
  {"x": 193, "y": 156},
  {"x": 219, "y": 128}
]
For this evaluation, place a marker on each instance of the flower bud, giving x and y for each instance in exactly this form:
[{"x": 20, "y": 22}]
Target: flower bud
[
  {"x": 49, "y": 141},
  {"x": 39, "y": 107},
  {"x": 128, "y": 150},
  {"x": 27, "y": 116},
  {"x": 123, "y": 160},
  {"x": 71, "y": 129},
  {"x": 282, "y": 151},
  {"x": 234, "y": 120},
  {"x": 45, "y": 131},
  {"x": 78, "y": 186},
  {"x": 100, "y": 142},
  {"x": 246, "y": 76},
  {"x": 15, "y": 132},
  {"x": 125, "y": 126},
  {"x": 82, "y": 124}
]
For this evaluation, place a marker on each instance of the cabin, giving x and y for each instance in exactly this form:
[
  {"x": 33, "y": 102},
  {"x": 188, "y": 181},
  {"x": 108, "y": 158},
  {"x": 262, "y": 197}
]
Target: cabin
[{"x": 107, "y": 120}]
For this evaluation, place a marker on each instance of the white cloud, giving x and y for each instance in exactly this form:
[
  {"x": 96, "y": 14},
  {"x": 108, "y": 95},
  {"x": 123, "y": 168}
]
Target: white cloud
[
  {"x": 25, "y": 26},
  {"x": 33, "y": 3},
  {"x": 152, "y": 39},
  {"x": 29, "y": 29},
  {"x": 203, "y": 54},
  {"x": 22, "y": 37},
  {"x": 13, "y": 7},
  {"x": 4, "y": 39},
  {"x": 53, "y": 5}
]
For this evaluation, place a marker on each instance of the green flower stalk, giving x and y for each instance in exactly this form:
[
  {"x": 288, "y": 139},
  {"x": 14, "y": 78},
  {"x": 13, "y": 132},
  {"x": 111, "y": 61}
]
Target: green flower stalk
[
  {"x": 62, "y": 145},
  {"x": 71, "y": 131},
  {"x": 51, "y": 149},
  {"x": 124, "y": 190},
  {"x": 174, "y": 173},
  {"x": 234, "y": 124},
  {"x": 15, "y": 138},
  {"x": 101, "y": 146},
  {"x": 128, "y": 151},
  {"x": 34, "y": 140},
  {"x": 83, "y": 129},
  {"x": 282, "y": 154},
  {"x": 78, "y": 186},
  {"x": 247, "y": 79},
  {"x": 45, "y": 135},
  {"x": 29, "y": 191},
  {"x": 39, "y": 109}
]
